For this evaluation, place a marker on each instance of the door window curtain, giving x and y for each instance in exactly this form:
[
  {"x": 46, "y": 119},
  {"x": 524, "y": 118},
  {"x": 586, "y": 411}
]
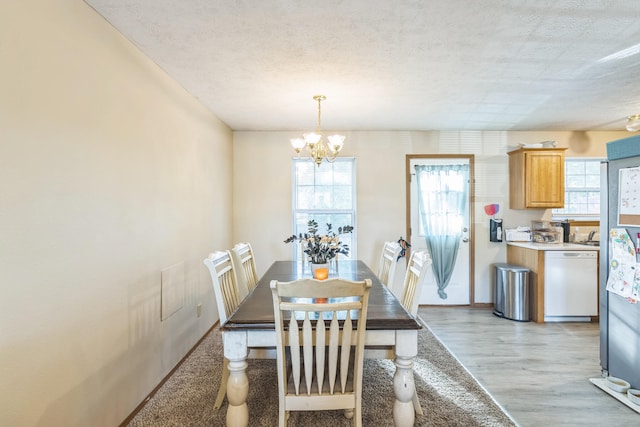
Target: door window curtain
[{"x": 442, "y": 194}]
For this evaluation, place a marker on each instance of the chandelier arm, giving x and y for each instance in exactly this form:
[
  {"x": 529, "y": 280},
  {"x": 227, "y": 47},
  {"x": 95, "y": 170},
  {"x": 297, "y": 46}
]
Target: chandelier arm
[
  {"x": 331, "y": 159},
  {"x": 332, "y": 155}
]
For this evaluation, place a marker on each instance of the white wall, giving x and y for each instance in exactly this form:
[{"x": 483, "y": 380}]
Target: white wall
[
  {"x": 109, "y": 173},
  {"x": 262, "y": 187}
]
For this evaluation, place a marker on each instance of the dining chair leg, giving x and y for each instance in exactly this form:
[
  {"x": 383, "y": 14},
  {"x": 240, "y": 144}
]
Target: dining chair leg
[
  {"x": 222, "y": 390},
  {"x": 283, "y": 417},
  {"x": 416, "y": 405}
]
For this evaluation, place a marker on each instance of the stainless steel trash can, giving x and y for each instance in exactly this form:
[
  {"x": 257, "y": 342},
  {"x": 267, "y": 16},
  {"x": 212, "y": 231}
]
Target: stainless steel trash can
[{"x": 511, "y": 293}]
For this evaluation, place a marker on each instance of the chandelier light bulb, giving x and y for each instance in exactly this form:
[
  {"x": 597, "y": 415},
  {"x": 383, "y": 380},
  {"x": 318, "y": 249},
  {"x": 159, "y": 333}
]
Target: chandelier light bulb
[
  {"x": 297, "y": 144},
  {"x": 336, "y": 142},
  {"x": 312, "y": 138}
]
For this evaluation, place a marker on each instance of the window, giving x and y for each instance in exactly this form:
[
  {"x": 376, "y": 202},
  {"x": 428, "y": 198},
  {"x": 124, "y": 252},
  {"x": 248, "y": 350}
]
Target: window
[
  {"x": 582, "y": 189},
  {"x": 325, "y": 193}
]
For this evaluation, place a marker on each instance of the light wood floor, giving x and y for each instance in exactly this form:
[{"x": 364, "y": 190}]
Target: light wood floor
[{"x": 539, "y": 373}]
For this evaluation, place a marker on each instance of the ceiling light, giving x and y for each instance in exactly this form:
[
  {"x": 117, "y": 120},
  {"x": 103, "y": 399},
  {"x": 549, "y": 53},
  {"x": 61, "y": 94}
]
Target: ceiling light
[
  {"x": 317, "y": 148},
  {"x": 633, "y": 124}
]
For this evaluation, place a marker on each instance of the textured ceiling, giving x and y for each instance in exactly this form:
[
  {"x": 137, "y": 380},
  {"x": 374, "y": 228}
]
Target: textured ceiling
[{"x": 396, "y": 65}]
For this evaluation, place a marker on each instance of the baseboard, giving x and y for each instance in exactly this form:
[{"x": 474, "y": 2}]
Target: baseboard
[
  {"x": 166, "y": 377},
  {"x": 482, "y": 305},
  {"x": 474, "y": 305}
]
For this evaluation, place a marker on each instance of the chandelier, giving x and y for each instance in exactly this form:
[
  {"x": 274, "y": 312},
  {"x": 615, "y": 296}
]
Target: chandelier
[
  {"x": 633, "y": 123},
  {"x": 317, "y": 148}
]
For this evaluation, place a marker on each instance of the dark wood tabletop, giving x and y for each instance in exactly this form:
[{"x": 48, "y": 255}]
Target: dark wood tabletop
[{"x": 256, "y": 311}]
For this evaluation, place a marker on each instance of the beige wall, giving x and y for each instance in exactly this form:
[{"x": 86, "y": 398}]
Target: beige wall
[
  {"x": 262, "y": 187},
  {"x": 109, "y": 173}
]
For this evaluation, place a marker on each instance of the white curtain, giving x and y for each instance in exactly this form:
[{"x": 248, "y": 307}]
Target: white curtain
[{"x": 442, "y": 194}]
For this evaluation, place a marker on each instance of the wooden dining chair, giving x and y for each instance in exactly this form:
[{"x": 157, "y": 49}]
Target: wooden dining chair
[
  {"x": 244, "y": 261},
  {"x": 225, "y": 288},
  {"x": 225, "y": 284},
  {"x": 320, "y": 346},
  {"x": 417, "y": 270},
  {"x": 409, "y": 296},
  {"x": 387, "y": 264}
]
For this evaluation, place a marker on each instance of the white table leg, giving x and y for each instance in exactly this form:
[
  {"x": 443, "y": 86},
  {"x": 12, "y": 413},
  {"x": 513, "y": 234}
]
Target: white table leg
[
  {"x": 403, "y": 383},
  {"x": 235, "y": 350}
]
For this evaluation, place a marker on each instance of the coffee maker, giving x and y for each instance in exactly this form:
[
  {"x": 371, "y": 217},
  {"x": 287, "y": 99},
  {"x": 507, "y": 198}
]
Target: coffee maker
[{"x": 566, "y": 229}]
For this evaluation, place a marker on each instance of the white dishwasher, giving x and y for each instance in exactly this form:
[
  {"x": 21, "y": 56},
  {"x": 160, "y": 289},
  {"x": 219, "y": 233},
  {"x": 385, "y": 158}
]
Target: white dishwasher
[{"x": 570, "y": 286}]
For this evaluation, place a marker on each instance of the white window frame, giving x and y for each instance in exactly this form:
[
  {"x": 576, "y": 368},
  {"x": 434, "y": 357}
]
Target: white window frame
[
  {"x": 558, "y": 214},
  {"x": 322, "y": 226}
]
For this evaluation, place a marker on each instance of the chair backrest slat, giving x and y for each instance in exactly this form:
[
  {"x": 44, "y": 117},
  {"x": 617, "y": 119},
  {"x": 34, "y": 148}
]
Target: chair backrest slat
[
  {"x": 320, "y": 352},
  {"x": 345, "y": 351},
  {"x": 334, "y": 335},
  {"x": 307, "y": 351},
  {"x": 294, "y": 345}
]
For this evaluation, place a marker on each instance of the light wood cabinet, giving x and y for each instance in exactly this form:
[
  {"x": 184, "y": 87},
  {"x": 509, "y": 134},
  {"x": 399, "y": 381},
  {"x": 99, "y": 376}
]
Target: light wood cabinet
[
  {"x": 536, "y": 178},
  {"x": 534, "y": 261}
]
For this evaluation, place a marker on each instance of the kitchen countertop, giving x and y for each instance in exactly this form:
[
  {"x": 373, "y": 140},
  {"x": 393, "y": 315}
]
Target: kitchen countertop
[{"x": 554, "y": 246}]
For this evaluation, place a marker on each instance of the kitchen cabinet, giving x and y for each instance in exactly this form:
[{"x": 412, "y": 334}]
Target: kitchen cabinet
[
  {"x": 534, "y": 261},
  {"x": 536, "y": 178}
]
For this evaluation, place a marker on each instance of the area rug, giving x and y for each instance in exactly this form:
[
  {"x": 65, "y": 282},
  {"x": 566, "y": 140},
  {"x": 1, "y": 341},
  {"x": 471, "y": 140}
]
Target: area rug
[{"x": 449, "y": 395}]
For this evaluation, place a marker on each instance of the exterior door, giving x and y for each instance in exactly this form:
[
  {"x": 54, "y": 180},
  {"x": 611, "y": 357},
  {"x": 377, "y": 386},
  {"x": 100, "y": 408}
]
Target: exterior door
[{"x": 459, "y": 289}]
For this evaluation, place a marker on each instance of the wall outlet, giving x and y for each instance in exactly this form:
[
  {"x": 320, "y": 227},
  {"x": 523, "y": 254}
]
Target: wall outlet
[{"x": 199, "y": 310}]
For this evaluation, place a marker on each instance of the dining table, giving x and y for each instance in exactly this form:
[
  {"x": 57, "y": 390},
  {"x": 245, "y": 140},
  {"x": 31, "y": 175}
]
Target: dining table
[{"x": 391, "y": 332}]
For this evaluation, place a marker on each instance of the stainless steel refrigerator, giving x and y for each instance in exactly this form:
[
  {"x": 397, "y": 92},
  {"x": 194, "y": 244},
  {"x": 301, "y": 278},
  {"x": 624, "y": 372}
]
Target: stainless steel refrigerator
[{"x": 619, "y": 319}]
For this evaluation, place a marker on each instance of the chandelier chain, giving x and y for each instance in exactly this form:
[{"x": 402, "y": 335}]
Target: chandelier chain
[{"x": 319, "y": 98}]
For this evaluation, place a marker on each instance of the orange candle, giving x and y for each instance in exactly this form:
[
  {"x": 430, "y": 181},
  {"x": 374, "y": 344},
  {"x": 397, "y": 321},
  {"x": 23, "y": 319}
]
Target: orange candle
[{"x": 321, "y": 273}]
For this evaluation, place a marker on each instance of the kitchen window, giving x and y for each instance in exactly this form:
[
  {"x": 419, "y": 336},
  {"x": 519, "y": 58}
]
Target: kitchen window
[
  {"x": 582, "y": 190},
  {"x": 327, "y": 194}
]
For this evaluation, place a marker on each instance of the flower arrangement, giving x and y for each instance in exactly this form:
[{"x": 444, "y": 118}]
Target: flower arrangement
[{"x": 321, "y": 248}]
